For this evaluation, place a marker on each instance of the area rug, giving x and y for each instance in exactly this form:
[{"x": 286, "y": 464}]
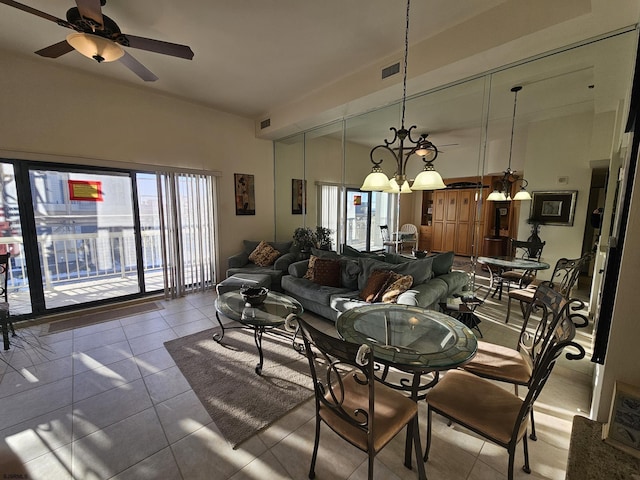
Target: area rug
[{"x": 240, "y": 402}]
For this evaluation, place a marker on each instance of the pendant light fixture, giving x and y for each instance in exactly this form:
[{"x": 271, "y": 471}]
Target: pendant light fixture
[
  {"x": 428, "y": 179},
  {"x": 510, "y": 177}
]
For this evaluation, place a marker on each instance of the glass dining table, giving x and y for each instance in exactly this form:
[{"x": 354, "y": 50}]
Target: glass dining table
[
  {"x": 497, "y": 265},
  {"x": 412, "y": 342}
]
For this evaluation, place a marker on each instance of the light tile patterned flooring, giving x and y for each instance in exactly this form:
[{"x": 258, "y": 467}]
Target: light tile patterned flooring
[{"x": 107, "y": 401}]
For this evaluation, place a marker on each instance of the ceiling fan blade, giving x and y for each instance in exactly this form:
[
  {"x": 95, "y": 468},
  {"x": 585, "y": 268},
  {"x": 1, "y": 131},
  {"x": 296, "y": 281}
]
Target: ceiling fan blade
[
  {"x": 40, "y": 14},
  {"x": 91, "y": 9},
  {"x": 56, "y": 50},
  {"x": 136, "y": 67},
  {"x": 158, "y": 46}
]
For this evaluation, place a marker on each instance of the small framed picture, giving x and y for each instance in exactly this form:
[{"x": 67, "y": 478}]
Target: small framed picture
[
  {"x": 554, "y": 208},
  {"x": 503, "y": 212},
  {"x": 245, "y": 194},
  {"x": 298, "y": 196},
  {"x": 623, "y": 429}
]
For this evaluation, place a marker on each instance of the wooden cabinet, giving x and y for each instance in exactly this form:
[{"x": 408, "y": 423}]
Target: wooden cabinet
[{"x": 458, "y": 219}]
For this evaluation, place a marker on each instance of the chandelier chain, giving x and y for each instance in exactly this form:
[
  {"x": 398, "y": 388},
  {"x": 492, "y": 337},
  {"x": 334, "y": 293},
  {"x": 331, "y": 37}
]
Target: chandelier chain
[
  {"x": 406, "y": 55},
  {"x": 515, "y": 90}
]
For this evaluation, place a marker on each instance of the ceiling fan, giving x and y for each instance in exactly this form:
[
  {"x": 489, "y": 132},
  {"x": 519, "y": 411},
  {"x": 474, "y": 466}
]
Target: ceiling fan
[{"x": 97, "y": 36}]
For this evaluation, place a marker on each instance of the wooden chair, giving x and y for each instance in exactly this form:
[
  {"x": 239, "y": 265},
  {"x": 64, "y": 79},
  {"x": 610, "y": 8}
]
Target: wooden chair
[
  {"x": 5, "y": 322},
  {"x": 493, "y": 412},
  {"x": 365, "y": 413},
  {"x": 516, "y": 366},
  {"x": 525, "y": 250},
  {"x": 563, "y": 278},
  {"x": 387, "y": 241}
]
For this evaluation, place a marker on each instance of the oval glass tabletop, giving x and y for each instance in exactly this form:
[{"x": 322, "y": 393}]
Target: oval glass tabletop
[
  {"x": 271, "y": 312},
  {"x": 409, "y": 337},
  {"x": 514, "y": 262}
]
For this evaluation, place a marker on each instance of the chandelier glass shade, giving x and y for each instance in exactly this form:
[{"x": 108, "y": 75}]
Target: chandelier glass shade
[{"x": 428, "y": 179}]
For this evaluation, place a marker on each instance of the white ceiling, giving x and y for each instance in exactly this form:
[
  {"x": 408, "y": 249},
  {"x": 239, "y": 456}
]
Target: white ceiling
[{"x": 250, "y": 55}]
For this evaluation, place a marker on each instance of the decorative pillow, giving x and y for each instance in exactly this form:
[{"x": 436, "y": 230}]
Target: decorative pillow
[
  {"x": 326, "y": 272},
  {"x": 377, "y": 280},
  {"x": 311, "y": 267},
  {"x": 442, "y": 263},
  {"x": 400, "y": 284},
  {"x": 264, "y": 254}
]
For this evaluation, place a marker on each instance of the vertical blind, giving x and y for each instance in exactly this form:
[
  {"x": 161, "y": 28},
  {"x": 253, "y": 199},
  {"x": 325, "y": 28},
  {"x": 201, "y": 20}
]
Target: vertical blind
[{"x": 187, "y": 220}]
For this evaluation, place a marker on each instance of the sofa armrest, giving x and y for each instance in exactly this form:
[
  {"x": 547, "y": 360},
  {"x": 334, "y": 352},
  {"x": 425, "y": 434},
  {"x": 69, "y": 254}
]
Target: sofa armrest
[
  {"x": 283, "y": 262},
  {"x": 238, "y": 260},
  {"x": 298, "y": 269}
]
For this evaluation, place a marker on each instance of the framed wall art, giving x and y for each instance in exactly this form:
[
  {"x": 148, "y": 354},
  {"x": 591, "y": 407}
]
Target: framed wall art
[
  {"x": 245, "y": 194},
  {"x": 554, "y": 208},
  {"x": 298, "y": 196}
]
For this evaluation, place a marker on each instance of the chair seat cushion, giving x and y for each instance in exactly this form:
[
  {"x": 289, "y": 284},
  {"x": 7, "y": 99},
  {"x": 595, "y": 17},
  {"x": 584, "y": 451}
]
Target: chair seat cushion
[
  {"x": 478, "y": 404},
  {"x": 523, "y": 294},
  {"x": 392, "y": 412},
  {"x": 500, "y": 363}
]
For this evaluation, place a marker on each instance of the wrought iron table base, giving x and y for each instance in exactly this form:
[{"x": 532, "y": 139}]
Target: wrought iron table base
[{"x": 258, "y": 331}]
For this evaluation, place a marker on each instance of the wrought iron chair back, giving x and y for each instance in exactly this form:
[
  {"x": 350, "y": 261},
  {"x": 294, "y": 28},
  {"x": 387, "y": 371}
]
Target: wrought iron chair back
[
  {"x": 527, "y": 250},
  {"x": 5, "y": 322},
  {"x": 566, "y": 272},
  {"x": 345, "y": 397}
]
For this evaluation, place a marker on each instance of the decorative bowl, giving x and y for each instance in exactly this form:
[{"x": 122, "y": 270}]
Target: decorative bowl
[{"x": 254, "y": 296}]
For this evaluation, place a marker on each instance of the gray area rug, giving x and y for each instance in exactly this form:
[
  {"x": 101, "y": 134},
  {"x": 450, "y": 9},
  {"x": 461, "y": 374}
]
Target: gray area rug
[{"x": 240, "y": 402}]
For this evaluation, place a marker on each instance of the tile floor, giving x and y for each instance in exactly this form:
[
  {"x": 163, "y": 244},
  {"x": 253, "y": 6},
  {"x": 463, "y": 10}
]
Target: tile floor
[{"x": 107, "y": 401}]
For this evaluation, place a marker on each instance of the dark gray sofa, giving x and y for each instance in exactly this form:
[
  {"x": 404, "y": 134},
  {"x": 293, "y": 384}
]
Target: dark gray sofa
[
  {"x": 240, "y": 263},
  {"x": 433, "y": 282}
]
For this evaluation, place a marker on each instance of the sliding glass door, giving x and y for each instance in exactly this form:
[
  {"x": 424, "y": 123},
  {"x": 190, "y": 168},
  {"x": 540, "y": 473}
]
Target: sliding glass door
[
  {"x": 85, "y": 235},
  {"x": 365, "y": 213}
]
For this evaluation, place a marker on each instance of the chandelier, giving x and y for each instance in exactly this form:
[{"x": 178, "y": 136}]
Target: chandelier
[
  {"x": 509, "y": 177},
  {"x": 428, "y": 179}
]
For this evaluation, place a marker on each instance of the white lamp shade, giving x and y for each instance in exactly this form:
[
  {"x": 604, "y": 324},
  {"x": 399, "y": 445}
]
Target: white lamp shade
[
  {"x": 522, "y": 195},
  {"x": 375, "y": 181},
  {"x": 93, "y": 46},
  {"x": 497, "y": 196},
  {"x": 393, "y": 187},
  {"x": 428, "y": 180},
  {"x": 405, "y": 187}
]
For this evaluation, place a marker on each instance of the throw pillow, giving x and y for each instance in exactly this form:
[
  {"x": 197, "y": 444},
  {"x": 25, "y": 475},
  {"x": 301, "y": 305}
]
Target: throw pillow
[
  {"x": 264, "y": 254},
  {"x": 326, "y": 272},
  {"x": 442, "y": 263},
  {"x": 401, "y": 284},
  {"x": 377, "y": 280},
  {"x": 311, "y": 267}
]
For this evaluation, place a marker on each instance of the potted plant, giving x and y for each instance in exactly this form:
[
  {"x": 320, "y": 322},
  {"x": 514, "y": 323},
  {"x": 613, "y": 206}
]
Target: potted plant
[
  {"x": 323, "y": 238},
  {"x": 304, "y": 239}
]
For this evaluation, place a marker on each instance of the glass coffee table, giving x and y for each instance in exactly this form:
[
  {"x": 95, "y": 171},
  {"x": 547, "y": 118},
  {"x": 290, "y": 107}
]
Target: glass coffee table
[{"x": 266, "y": 316}]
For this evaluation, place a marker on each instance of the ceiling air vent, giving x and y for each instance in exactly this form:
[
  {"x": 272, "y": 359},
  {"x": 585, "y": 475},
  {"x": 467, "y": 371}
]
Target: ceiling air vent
[
  {"x": 390, "y": 70},
  {"x": 265, "y": 123}
]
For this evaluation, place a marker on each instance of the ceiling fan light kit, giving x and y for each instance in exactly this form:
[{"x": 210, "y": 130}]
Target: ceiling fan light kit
[
  {"x": 99, "y": 37},
  {"x": 96, "y": 47}
]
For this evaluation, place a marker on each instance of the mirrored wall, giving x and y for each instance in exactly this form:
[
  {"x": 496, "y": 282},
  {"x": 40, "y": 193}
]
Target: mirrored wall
[{"x": 566, "y": 136}]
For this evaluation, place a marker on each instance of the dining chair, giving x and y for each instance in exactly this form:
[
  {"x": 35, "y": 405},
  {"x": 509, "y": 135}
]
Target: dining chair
[
  {"x": 409, "y": 236},
  {"x": 5, "y": 322},
  {"x": 386, "y": 239},
  {"x": 525, "y": 250},
  {"x": 563, "y": 278},
  {"x": 515, "y": 366},
  {"x": 362, "y": 411},
  {"x": 492, "y": 412}
]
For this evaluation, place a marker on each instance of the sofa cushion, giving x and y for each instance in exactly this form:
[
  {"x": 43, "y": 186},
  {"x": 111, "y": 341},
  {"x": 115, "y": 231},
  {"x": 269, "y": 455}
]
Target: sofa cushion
[
  {"x": 282, "y": 247},
  {"x": 442, "y": 263},
  {"x": 348, "y": 251},
  {"x": 419, "y": 269},
  {"x": 301, "y": 288},
  {"x": 326, "y": 272},
  {"x": 375, "y": 284},
  {"x": 455, "y": 280},
  {"x": 396, "y": 285},
  {"x": 264, "y": 254}
]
